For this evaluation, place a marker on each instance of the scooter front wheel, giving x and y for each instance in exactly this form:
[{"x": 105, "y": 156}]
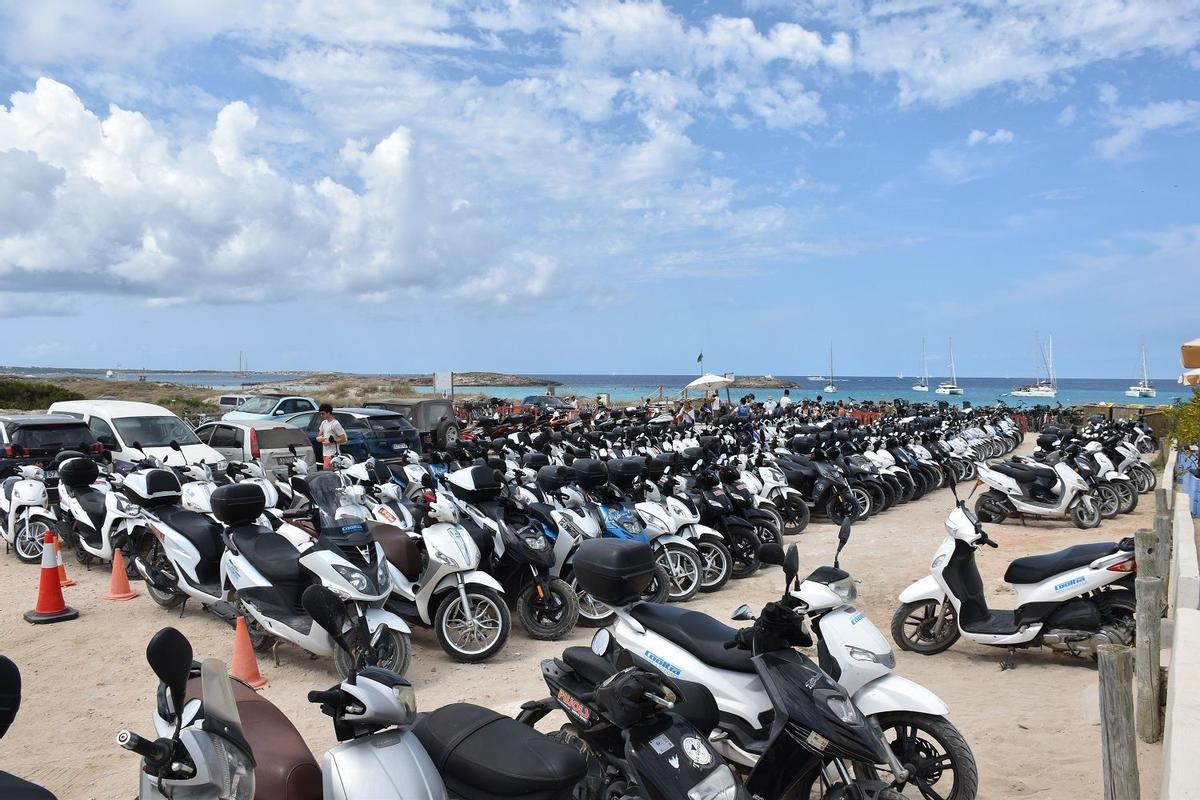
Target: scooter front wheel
[
  {"x": 684, "y": 571},
  {"x": 913, "y": 627},
  {"x": 474, "y": 632},
  {"x": 1108, "y": 501},
  {"x": 28, "y": 539},
  {"x": 592, "y": 613},
  {"x": 795, "y": 515},
  {"x": 939, "y": 761},
  {"x": 550, "y": 617},
  {"x": 717, "y": 562},
  {"x": 1086, "y": 515},
  {"x": 392, "y": 652}
]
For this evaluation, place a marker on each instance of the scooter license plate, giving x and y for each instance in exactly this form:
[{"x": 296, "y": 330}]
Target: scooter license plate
[
  {"x": 397, "y": 446},
  {"x": 51, "y": 474},
  {"x": 286, "y": 459}
]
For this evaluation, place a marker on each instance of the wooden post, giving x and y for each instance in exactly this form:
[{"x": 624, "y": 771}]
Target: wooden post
[
  {"x": 1117, "y": 744},
  {"x": 1151, "y": 595},
  {"x": 1164, "y": 542},
  {"x": 1161, "y": 506},
  {"x": 1145, "y": 549}
]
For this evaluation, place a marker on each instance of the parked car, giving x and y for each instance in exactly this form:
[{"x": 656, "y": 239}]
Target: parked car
[
  {"x": 545, "y": 402},
  {"x": 266, "y": 440},
  {"x": 270, "y": 406},
  {"x": 228, "y": 402},
  {"x": 370, "y": 432},
  {"x": 38, "y": 439},
  {"x": 118, "y": 424},
  {"x": 434, "y": 418}
]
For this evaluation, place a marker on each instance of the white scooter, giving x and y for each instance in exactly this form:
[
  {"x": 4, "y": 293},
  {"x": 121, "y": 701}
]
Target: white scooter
[
  {"x": 97, "y": 518},
  {"x": 25, "y": 512},
  {"x": 1074, "y": 600},
  {"x": 1064, "y": 493}
]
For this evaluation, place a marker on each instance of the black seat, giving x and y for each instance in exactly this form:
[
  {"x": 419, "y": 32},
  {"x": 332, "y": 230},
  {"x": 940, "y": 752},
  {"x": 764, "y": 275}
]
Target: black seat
[
  {"x": 483, "y": 755},
  {"x": 271, "y": 554},
  {"x": 1024, "y": 473},
  {"x": 699, "y": 634},
  {"x": 202, "y": 532},
  {"x": 1035, "y": 569},
  {"x": 92, "y": 502},
  {"x": 591, "y": 667}
]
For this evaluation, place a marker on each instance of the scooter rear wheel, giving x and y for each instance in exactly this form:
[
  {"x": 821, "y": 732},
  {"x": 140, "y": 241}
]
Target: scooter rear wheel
[
  {"x": 913, "y": 623},
  {"x": 152, "y": 553}
]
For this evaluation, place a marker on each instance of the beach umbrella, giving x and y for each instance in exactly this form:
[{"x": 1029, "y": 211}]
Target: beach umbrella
[
  {"x": 1189, "y": 354},
  {"x": 1190, "y": 378},
  {"x": 709, "y": 381}
]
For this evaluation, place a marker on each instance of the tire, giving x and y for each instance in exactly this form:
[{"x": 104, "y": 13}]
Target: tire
[
  {"x": 260, "y": 640},
  {"x": 776, "y": 516},
  {"x": 862, "y": 498},
  {"x": 716, "y": 563},
  {"x": 1139, "y": 478},
  {"x": 766, "y": 533},
  {"x": 550, "y": 618},
  {"x": 795, "y": 515},
  {"x": 838, "y": 509},
  {"x": 393, "y": 652},
  {"x": 1084, "y": 518},
  {"x": 28, "y": 539},
  {"x": 889, "y": 494},
  {"x": 1152, "y": 475},
  {"x": 878, "y": 496},
  {"x": 991, "y": 507},
  {"x": 939, "y": 760},
  {"x": 492, "y": 623},
  {"x": 592, "y": 613},
  {"x": 446, "y": 434},
  {"x": 1118, "y": 614},
  {"x": 154, "y": 556},
  {"x": 743, "y": 547},
  {"x": 912, "y": 626},
  {"x": 1127, "y": 494},
  {"x": 659, "y": 587},
  {"x": 1107, "y": 500},
  {"x": 683, "y": 568}
]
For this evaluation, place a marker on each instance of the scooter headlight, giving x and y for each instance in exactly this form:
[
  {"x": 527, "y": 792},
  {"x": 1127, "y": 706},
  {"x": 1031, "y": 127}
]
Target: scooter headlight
[
  {"x": 124, "y": 506},
  {"x": 840, "y": 706},
  {"x": 846, "y": 589},
  {"x": 356, "y": 578},
  {"x": 776, "y": 475},
  {"x": 717, "y": 785},
  {"x": 536, "y": 543},
  {"x": 383, "y": 576}
]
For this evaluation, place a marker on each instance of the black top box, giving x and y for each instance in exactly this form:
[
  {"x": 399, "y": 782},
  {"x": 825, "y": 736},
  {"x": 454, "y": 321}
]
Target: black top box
[
  {"x": 78, "y": 473},
  {"x": 535, "y": 460},
  {"x": 623, "y": 472},
  {"x": 590, "y": 473},
  {"x": 614, "y": 571},
  {"x": 238, "y": 503},
  {"x": 554, "y": 477}
]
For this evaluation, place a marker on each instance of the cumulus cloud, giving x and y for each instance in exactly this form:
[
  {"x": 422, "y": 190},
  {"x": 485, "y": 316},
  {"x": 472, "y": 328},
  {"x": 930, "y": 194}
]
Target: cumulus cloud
[
  {"x": 1133, "y": 123},
  {"x": 998, "y": 136}
]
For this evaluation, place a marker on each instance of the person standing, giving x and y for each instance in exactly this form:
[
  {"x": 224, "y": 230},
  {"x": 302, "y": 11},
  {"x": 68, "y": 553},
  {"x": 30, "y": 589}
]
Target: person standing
[
  {"x": 331, "y": 434},
  {"x": 769, "y": 406}
]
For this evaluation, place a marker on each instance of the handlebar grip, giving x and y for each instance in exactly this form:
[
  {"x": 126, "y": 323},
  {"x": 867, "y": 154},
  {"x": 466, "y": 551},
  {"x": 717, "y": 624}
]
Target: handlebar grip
[
  {"x": 329, "y": 697},
  {"x": 149, "y": 750}
]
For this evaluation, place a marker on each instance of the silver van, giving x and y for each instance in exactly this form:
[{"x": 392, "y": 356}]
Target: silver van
[{"x": 264, "y": 439}]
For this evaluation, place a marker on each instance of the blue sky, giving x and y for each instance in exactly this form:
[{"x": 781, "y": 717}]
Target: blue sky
[{"x": 596, "y": 187}]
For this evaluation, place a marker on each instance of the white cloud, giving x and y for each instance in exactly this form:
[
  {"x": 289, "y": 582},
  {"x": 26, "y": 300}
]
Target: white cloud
[
  {"x": 1133, "y": 123},
  {"x": 1066, "y": 117},
  {"x": 998, "y": 136}
]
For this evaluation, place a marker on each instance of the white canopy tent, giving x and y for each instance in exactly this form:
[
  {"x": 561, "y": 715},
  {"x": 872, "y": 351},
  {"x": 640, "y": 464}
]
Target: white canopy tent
[{"x": 709, "y": 381}]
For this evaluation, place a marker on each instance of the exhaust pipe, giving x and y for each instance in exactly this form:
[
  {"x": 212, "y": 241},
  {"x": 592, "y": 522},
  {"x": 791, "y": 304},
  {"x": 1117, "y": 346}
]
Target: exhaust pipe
[{"x": 156, "y": 578}]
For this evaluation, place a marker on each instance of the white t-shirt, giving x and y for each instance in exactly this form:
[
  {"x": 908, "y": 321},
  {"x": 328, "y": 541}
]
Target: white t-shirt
[
  {"x": 785, "y": 401},
  {"x": 332, "y": 430}
]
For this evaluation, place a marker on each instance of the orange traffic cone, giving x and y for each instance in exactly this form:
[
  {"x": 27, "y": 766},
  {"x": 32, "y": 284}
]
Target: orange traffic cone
[
  {"x": 118, "y": 586},
  {"x": 50, "y": 604},
  {"x": 63, "y": 580},
  {"x": 245, "y": 664}
]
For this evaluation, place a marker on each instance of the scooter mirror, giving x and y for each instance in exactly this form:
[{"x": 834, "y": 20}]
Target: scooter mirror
[
  {"x": 292, "y": 449},
  {"x": 743, "y": 613},
  {"x": 427, "y": 480},
  {"x": 17, "y": 450},
  {"x": 844, "y": 533},
  {"x": 174, "y": 445},
  {"x": 326, "y": 610},
  {"x": 169, "y": 654},
  {"x": 791, "y": 564},
  {"x": 771, "y": 554},
  {"x": 601, "y": 641}
]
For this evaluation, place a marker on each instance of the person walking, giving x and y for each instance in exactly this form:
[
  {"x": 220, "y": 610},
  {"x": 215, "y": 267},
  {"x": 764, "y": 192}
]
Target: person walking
[{"x": 331, "y": 435}]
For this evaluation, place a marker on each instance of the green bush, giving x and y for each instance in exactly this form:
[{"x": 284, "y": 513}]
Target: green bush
[
  {"x": 32, "y": 395},
  {"x": 1184, "y": 421}
]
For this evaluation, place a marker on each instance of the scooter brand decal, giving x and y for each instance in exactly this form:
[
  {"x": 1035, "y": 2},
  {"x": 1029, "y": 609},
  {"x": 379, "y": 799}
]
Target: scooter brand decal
[
  {"x": 1058, "y": 587},
  {"x": 233, "y": 573},
  {"x": 661, "y": 743},
  {"x": 857, "y": 618},
  {"x": 697, "y": 751},
  {"x": 573, "y": 705},
  {"x": 659, "y": 661},
  {"x": 674, "y": 762}
]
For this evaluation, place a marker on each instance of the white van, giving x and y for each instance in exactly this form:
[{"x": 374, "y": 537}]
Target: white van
[{"x": 118, "y": 424}]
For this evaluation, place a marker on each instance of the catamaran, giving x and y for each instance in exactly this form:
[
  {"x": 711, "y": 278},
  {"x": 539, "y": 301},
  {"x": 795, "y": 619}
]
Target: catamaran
[
  {"x": 1042, "y": 388},
  {"x": 951, "y": 386},
  {"x": 1143, "y": 389},
  {"x": 923, "y": 384},
  {"x": 831, "y": 387}
]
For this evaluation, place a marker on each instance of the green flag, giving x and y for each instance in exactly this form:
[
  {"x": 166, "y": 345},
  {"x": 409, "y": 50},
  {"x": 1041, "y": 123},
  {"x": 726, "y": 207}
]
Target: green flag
[{"x": 700, "y": 358}]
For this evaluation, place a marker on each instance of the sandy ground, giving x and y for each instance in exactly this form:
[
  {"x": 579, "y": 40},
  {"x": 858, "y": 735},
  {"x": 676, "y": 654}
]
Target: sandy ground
[{"x": 1034, "y": 729}]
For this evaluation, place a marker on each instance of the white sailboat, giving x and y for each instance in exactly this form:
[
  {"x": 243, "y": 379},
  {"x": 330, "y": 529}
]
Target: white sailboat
[
  {"x": 1143, "y": 389},
  {"x": 1042, "y": 388},
  {"x": 951, "y": 386},
  {"x": 923, "y": 384},
  {"x": 831, "y": 387}
]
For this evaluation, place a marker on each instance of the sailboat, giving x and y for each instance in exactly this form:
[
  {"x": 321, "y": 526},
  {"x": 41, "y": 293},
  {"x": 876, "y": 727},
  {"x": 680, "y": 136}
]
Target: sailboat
[
  {"x": 923, "y": 384},
  {"x": 831, "y": 387},
  {"x": 951, "y": 386},
  {"x": 1042, "y": 388},
  {"x": 1143, "y": 389}
]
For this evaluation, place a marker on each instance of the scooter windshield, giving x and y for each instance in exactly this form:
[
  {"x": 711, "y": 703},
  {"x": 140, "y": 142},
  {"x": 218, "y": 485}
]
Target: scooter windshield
[
  {"x": 221, "y": 716},
  {"x": 329, "y": 497}
]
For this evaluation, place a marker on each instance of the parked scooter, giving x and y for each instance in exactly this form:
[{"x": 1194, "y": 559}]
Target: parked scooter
[
  {"x": 25, "y": 511},
  {"x": 1055, "y": 490},
  {"x": 1073, "y": 600},
  {"x": 97, "y": 519}
]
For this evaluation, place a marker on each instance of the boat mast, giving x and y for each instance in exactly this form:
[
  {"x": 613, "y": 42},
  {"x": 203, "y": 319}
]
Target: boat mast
[
  {"x": 1145, "y": 374},
  {"x": 953, "y": 372},
  {"x": 924, "y": 364}
]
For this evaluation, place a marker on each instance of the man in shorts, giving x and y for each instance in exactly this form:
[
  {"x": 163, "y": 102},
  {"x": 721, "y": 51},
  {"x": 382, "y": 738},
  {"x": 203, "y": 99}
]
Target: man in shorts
[{"x": 330, "y": 435}]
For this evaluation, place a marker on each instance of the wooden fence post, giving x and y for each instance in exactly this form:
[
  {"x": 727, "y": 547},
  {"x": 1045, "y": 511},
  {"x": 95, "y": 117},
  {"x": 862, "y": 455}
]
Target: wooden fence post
[
  {"x": 1145, "y": 549},
  {"x": 1164, "y": 543},
  {"x": 1117, "y": 743},
  {"x": 1161, "y": 507},
  {"x": 1151, "y": 596}
]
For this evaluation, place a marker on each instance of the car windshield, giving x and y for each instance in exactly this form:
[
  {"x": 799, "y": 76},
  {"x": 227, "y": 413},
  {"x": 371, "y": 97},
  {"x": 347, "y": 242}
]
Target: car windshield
[
  {"x": 258, "y": 405},
  {"x": 154, "y": 431}
]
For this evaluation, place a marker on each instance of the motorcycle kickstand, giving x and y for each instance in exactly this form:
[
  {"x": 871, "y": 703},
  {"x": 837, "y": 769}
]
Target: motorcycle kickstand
[{"x": 1007, "y": 662}]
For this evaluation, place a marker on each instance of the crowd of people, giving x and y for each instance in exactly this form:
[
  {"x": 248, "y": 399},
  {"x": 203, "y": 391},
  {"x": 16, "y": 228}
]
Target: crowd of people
[{"x": 749, "y": 407}]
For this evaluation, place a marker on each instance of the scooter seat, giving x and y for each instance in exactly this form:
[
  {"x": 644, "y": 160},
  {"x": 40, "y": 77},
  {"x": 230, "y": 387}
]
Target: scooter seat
[
  {"x": 1023, "y": 473},
  {"x": 483, "y": 755},
  {"x": 699, "y": 634},
  {"x": 202, "y": 532},
  {"x": 1035, "y": 569},
  {"x": 284, "y": 766},
  {"x": 92, "y": 502},
  {"x": 276, "y": 558}
]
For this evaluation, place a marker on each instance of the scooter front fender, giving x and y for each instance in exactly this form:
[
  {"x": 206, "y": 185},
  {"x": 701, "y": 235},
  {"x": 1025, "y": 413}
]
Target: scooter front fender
[
  {"x": 474, "y": 576},
  {"x": 671, "y": 538},
  {"x": 893, "y": 693},
  {"x": 925, "y": 589},
  {"x": 378, "y": 616}
]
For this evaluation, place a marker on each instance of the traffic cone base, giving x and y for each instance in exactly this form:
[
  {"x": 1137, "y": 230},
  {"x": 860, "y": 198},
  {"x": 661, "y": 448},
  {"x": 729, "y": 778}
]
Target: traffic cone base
[
  {"x": 118, "y": 586},
  {"x": 244, "y": 664},
  {"x": 50, "y": 604},
  {"x": 63, "y": 580}
]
